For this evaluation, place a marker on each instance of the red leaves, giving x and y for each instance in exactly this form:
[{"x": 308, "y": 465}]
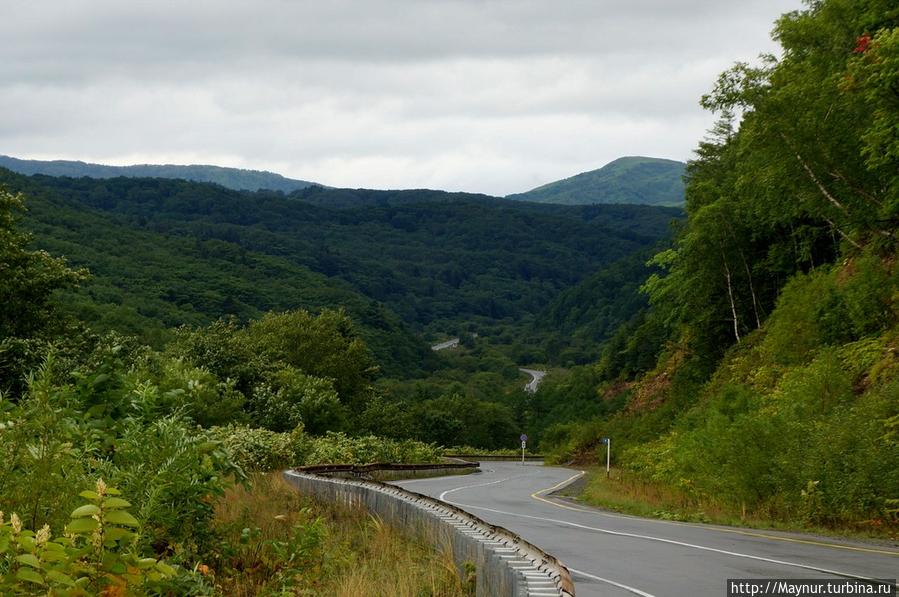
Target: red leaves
[{"x": 862, "y": 44}]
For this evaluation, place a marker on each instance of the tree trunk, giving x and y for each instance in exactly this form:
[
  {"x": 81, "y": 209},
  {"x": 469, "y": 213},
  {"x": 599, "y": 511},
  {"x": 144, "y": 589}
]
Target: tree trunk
[
  {"x": 755, "y": 304},
  {"x": 730, "y": 294}
]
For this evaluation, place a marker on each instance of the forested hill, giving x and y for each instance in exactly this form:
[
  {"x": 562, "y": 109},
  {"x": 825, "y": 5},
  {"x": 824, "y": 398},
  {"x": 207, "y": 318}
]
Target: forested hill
[
  {"x": 232, "y": 178},
  {"x": 763, "y": 381},
  {"x": 635, "y": 180},
  {"x": 165, "y": 252}
]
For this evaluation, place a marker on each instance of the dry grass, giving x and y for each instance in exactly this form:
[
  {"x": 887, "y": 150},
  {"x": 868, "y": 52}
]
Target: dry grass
[
  {"x": 277, "y": 542},
  {"x": 630, "y": 495}
]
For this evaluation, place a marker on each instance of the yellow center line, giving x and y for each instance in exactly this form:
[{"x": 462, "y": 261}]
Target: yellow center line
[{"x": 538, "y": 495}]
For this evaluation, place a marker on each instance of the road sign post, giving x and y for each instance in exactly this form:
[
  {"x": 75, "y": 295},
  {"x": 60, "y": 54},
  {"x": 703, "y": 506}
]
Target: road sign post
[
  {"x": 608, "y": 442},
  {"x": 524, "y": 443}
]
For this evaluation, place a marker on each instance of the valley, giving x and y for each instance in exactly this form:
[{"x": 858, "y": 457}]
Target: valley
[{"x": 703, "y": 354}]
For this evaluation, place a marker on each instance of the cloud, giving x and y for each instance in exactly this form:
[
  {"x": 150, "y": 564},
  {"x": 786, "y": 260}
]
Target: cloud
[{"x": 479, "y": 95}]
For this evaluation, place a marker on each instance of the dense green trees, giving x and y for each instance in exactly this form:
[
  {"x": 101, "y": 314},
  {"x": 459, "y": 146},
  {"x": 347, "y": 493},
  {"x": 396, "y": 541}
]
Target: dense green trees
[
  {"x": 166, "y": 252},
  {"x": 114, "y": 455},
  {"x": 28, "y": 278},
  {"x": 800, "y": 176},
  {"x": 284, "y": 370},
  {"x": 763, "y": 375}
]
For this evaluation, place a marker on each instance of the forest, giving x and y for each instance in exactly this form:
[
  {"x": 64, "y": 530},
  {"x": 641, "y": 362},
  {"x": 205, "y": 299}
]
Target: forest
[
  {"x": 762, "y": 379},
  {"x": 167, "y": 344},
  {"x": 405, "y": 265}
]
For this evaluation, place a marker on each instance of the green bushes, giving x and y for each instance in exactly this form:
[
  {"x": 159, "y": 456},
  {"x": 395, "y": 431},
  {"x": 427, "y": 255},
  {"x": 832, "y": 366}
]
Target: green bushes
[
  {"x": 102, "y": 420},
  {"x": 257, "y": 449},
  {"x": 810, "y": 443},
  {"x": 830, "y": 307},
  {"x": 797, "y": 423},
  {"x": 337, "y": 447},
  {"x": 264, "y": 450},
  {"x": 283, "y": 370},
  {"x": 173, "y": 472},
  {"x": 95, "y": 554}
]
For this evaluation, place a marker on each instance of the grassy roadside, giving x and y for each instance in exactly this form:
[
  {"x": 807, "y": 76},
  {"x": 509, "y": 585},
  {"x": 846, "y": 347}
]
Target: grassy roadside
[
  {"x": 629, "y": 495},
  {"x": 275, "y": 541}
]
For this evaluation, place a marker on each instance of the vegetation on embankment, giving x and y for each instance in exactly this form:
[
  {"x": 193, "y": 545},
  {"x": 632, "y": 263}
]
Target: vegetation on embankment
[
  {"x": 124, "y": 469},
  {"x": 275, "y": 540},
  {"x": 764, "y": 379},
  {"x": 628, "y": 493}
]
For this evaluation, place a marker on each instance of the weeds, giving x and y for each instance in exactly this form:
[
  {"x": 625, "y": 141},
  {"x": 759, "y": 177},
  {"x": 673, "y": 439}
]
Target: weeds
[{"x": 275, "y": 541}]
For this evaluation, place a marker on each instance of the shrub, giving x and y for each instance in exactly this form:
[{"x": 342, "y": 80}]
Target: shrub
[
  {"x": 340, "y": 448},
  {"x": 255, "y": 449},
  {"x": 173, "y": 471},
  {"x": 96, "y": 554},
  {"x": 287, "y": 397}
]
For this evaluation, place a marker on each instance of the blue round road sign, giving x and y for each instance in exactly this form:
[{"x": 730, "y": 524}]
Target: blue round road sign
[{"x": 523, "y": 437}]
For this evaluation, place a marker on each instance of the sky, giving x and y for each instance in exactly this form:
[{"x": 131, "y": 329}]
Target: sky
[{"x": 473, "y": 95}]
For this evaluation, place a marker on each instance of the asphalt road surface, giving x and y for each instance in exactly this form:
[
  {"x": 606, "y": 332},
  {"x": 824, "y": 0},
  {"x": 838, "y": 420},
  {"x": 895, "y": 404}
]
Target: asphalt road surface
[
  {"x": 536, "y": 378},
  {"x": 615, "y": 555}
]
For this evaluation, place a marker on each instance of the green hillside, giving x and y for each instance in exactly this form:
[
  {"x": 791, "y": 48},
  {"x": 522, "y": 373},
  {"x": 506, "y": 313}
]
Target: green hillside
[
  {"x": 232, "y": 178},
  {"x": 761, "y": 385},
  {"x": 634, "y": 180}
]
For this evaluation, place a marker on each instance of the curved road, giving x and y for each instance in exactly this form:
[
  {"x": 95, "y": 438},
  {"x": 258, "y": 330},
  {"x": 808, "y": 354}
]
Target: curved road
[
  {"x": 536, "y": 377},
  {"x": 616, "y": 555}
]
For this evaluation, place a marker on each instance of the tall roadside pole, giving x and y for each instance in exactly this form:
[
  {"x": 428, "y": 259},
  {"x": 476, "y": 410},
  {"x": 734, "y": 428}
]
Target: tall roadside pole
[
  {"x": 608, "y": 442},
  {"x": 524, "y": 443}
]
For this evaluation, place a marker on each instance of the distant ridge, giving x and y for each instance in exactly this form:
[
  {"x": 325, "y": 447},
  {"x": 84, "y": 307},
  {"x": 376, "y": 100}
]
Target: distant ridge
[
  {"x": 635, "y": 180},
  {"x": 232, "y": 178}
]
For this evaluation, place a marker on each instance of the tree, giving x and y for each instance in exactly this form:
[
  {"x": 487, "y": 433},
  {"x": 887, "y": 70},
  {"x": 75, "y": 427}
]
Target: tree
[{"x": 28, "y": 279}]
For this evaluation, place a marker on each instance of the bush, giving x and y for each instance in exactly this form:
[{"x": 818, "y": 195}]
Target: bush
[
  {"x": 95, "y": 555},
  {"x": 255, "y": 449},
  {"x": 336, "y": 448},
  {"x": 287, "y": 397},
  {"x": 173, "y": 471}
]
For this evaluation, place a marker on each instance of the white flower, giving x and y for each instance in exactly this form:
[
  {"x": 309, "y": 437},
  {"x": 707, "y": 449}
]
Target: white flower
[{"x": 42, "y": 535}]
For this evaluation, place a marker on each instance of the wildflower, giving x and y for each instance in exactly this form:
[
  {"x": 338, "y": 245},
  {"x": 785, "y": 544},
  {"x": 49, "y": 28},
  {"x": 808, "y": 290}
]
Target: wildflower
[
  {"x": 42, "y": 535},
  {"x": 16, "y": 523},
  {"x": 101, "y": 487}
]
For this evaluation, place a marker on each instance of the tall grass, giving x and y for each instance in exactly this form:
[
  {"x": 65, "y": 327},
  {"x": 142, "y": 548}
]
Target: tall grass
[{"x": 275, "y": 541}]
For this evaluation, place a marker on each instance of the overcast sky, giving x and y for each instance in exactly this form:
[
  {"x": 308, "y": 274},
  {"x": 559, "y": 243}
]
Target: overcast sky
[{"x": 475, "y": 95}]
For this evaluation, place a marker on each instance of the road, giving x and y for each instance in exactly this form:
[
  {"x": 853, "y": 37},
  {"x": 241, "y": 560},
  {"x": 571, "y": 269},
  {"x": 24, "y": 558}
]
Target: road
[
  {"x": 451, "y": 343},
  {"x": 615, "y": 555},
  {"x": 536, "y": 378}
]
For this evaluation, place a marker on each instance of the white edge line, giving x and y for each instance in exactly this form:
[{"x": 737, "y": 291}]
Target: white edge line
[
  {"x": 612, "y": 582},
  {"x": 670, "y": 542}
]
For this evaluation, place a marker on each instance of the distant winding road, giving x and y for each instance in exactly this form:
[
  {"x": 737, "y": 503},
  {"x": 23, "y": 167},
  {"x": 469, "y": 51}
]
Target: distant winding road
[
  {"x": 451, "y": 343},
  {"x": 616, "y": 555},
  {"x": 536, "y": 378}
]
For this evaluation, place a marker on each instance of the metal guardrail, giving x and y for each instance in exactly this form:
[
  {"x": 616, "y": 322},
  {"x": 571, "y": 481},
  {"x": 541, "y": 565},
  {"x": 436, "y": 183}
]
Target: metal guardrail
[
  {"x": 506, "y": 563},
  {"x": 359, "y": 470},
  {"x": 479, "y": 457}
]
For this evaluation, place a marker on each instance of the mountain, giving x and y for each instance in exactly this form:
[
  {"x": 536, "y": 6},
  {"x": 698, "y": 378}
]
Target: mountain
[
  {"x": 232, "y": 178},
  {"x": 166, "y": 252},
  {"x": 636, "y": 180}
]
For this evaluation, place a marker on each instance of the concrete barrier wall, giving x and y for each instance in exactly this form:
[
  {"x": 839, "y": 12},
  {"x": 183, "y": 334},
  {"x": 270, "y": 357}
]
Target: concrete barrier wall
[{"x": 505, "y": 565}]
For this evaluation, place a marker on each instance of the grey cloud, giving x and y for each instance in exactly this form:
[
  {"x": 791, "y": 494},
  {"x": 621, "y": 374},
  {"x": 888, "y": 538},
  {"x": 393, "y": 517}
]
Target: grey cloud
[{"x": 480, "y": 95}]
